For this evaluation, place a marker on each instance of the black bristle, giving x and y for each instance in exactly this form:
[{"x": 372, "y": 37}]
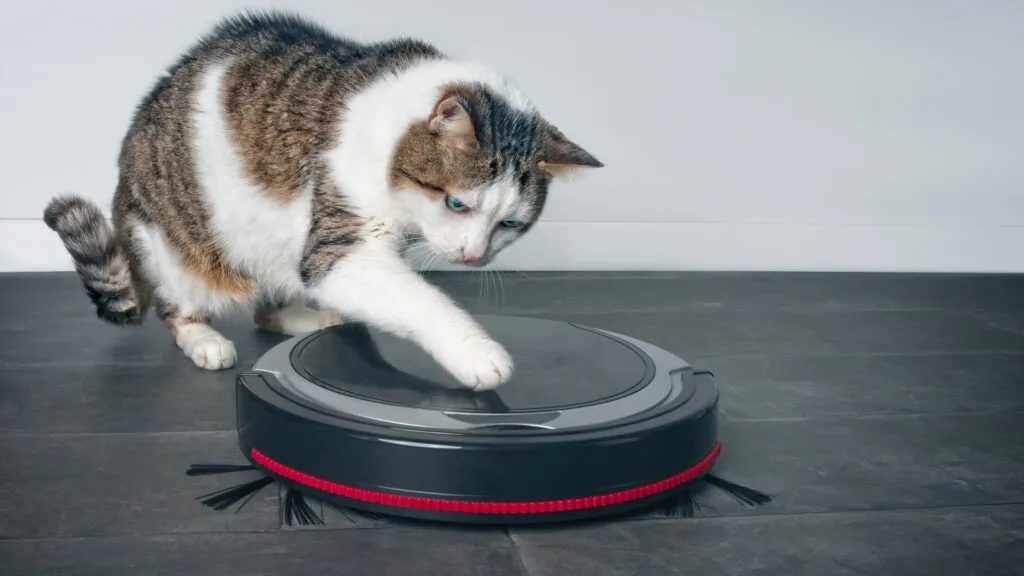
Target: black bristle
[
  {"x": 367, "y": 514},
  {"x": 222, "y": 499},
  {"x": 742, "y": 494},
  {"x": 207, "y": 469},
  {"x": 682, "y": 505},
  {"x": 298, "y": 511},
  {"x": 349, "y": 512},
  {"x": 245, "y": 501}
]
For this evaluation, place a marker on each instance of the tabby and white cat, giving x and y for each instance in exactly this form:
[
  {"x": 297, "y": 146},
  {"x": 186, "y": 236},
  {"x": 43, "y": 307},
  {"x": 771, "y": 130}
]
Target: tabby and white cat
[{"x": 277, "y": 163}]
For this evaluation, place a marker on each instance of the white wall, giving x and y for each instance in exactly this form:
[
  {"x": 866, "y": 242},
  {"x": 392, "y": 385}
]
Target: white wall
[{"x": 784, "y": 135}]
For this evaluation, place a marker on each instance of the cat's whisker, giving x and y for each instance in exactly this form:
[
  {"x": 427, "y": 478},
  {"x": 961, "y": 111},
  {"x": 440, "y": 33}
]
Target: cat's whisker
[
  {"x": 523, "y": 274},
  {"x": 424, "y": 256},
  {"x": 480, "y": 290},
  {"x": 428, "y": 263},
  {"x": 494, "y": 287},
  {"x": 501, "y": 285},
  {"x": 519, "y": 271},
  {"x": 496, "y": 280},
  {"x": 487, "y": 286}
]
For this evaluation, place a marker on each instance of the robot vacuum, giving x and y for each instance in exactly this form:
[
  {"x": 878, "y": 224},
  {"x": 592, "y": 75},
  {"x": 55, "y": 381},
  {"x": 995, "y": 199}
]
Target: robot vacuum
[{"x": 591, "y": 423}]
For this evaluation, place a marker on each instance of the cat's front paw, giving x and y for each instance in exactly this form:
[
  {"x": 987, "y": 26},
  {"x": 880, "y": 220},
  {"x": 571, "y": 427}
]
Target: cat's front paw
[{"x": 482, "y": 365}]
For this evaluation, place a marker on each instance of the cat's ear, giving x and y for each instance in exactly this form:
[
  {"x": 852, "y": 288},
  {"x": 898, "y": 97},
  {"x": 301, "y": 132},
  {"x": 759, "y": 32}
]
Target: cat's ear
[
  {"x": 451, "y": 121},
  {"x": 559, "y": 155}
]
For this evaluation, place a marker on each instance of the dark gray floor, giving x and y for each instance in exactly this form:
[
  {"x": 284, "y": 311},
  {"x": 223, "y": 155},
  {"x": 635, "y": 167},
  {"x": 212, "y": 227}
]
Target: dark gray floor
[{"x": 885, "y": 413}]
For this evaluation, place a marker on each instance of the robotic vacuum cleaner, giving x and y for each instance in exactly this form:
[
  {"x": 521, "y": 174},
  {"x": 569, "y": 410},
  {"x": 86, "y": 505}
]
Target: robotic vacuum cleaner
[{"x": 591, "y": 423}]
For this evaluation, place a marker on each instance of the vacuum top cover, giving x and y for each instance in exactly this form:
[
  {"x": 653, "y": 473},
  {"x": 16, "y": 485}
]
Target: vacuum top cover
[{"x": 565, "y": 376}]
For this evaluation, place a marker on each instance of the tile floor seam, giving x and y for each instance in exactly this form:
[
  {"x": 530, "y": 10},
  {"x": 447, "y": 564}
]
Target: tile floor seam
[
  {"x": 726, "y": 518},
  {"x": 515, "y": 544},
  {"x": 275, "y": 530},
  {"x": 839, "y": 512},
  {"x": 703, "y": 358},
  {"x": 229, "y": 432},
  {"x": 921, "y": 354},
  {"x": 978, "y": 315},
  {"x": 724, "y": 416},
  {"x": 712, "y": 309},
  {"x": 872, "y": 416},
  {"x": 524, "y": 563}
]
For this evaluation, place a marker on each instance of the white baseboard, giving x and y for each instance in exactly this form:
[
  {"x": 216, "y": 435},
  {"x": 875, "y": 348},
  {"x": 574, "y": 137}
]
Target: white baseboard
[{"x": 28, "y": 245}]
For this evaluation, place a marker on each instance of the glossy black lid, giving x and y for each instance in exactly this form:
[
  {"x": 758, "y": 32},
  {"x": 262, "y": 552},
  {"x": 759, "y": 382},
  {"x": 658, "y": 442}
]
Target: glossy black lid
[{"x": 558, "y": 366}]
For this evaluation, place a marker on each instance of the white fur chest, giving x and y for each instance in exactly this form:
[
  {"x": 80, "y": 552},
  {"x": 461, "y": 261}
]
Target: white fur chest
[{"x": 261, "y": 235}]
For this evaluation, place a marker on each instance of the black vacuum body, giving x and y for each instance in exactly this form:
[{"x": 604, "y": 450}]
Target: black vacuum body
[{"x": 591, "y": 423}]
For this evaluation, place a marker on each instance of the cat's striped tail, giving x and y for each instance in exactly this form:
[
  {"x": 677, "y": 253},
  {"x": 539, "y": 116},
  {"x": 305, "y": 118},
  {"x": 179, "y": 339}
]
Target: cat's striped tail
[{"x": 99, "y": 259}]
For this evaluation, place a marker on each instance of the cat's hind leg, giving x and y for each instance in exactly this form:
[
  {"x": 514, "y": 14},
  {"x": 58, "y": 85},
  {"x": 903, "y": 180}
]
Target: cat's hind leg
[
  {"x": 185, "y": 299},
  {"x": 292, "y": 317}
]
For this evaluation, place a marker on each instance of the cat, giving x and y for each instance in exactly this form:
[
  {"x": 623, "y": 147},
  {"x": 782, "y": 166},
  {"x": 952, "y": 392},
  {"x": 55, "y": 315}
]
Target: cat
[{"x": 277, "y": 164}]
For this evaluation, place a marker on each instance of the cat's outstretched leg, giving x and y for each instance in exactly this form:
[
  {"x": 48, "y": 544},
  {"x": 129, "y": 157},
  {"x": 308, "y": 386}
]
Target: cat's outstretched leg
[{"x": 372, "y": 284}]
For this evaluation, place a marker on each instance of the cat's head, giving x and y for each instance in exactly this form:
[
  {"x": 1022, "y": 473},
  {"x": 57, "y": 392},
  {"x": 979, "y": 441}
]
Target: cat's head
[{"x": 474, "y": 175}]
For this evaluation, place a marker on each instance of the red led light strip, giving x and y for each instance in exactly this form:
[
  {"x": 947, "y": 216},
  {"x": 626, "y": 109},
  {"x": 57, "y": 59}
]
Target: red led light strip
[{"x": 478, "y": 507}]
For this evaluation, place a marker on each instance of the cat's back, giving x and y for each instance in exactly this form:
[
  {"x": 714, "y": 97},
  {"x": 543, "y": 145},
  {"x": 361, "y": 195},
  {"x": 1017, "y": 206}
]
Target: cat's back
[
  {"x": 272, "y": 83},
  {"x": 259, "y": 32},
  {"x": 268, "y": 43},
  {"x": 280, "y": 80}
]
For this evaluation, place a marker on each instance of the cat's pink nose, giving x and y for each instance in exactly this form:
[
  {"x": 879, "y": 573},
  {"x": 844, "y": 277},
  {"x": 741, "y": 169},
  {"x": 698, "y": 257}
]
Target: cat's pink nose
[{"x": 469, "y": 257}]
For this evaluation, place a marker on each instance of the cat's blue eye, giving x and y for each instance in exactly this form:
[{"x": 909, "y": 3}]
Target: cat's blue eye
[
  {"x": 512, "y": 223},
  {"x": 454, "y": 204}
]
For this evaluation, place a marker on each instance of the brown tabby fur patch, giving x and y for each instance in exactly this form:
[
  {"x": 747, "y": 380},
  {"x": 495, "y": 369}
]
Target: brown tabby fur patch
[
  {"x": 281, "y": 121},
  {"x": 283, "y": 94},
  {"x": 283, "y": 103},
  {"x": 159, "y": 185},
  {"x": 423, "y": 161}
]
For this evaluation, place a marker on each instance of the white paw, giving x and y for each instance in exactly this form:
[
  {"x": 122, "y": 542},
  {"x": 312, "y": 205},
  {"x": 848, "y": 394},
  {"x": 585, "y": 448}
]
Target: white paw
[
  {"x": 206, "y": 347},
  {"x": 482, "y": 364}
]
